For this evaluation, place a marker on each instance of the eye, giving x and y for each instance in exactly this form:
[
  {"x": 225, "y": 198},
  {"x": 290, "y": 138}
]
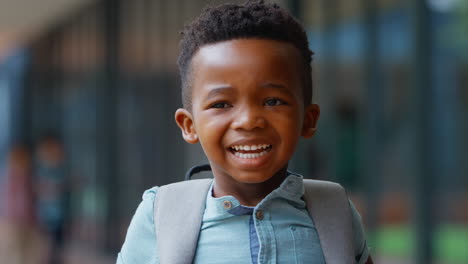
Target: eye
[
  {"x": 274, "y": 102},
  {"x": 220, "y": 105}
]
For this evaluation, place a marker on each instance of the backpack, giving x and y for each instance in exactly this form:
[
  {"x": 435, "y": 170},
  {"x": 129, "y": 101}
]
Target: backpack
[{"x": 326, "y": 202}]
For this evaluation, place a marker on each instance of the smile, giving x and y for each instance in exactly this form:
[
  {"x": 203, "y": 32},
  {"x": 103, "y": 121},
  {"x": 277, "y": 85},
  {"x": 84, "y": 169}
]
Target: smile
[{"x": 250, "y": 151}]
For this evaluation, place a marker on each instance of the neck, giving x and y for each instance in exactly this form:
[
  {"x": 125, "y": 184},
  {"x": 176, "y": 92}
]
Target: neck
[{"x": 248, "y": 194}]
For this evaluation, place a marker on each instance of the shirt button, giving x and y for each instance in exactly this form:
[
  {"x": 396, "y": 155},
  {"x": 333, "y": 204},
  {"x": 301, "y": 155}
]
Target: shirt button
[
  {"x": 227, "y": 204},
  {"x": 259, "y": 215}
]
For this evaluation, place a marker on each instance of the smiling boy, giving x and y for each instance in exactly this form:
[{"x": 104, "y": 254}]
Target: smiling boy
[
  {"x": 248, "y": 113},
  {"x": 247, "y": 91}
]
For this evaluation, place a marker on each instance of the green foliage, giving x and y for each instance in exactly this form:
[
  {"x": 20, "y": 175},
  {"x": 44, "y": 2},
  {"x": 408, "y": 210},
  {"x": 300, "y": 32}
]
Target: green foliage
[
  {"x": 450, "y": 243},
  {"x": 454, "y": 34}
]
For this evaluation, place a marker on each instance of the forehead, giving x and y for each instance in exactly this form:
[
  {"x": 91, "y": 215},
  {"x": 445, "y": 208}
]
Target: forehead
[
  {"x": 248, "y": 48},
  {"x": 244, "y": 61}
]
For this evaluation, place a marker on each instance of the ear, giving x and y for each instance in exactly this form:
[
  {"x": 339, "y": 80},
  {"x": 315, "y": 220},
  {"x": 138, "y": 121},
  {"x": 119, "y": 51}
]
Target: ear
[
  {"x": 184, "y": 120},
  {"x": 311, "y": 116}
]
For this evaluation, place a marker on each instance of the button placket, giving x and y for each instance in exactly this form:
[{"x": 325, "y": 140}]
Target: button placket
[{"x": 266, "y": 236}]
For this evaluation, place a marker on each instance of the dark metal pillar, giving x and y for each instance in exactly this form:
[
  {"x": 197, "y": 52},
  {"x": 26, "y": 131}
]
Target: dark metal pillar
[
  {"x": 424, "y": 97},
  {"x": 329, "y": 36},
  {"x": 108, "y": 176},
  {"x": 372, "y": 114}
]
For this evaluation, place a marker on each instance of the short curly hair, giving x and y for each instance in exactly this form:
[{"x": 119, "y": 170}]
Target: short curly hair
[{"x": 253, "y": 19}]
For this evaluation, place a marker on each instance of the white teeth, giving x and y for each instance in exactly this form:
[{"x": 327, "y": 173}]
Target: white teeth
[
  {"x": 250, "y": 155},
  {"x": 253, "y": 147}
]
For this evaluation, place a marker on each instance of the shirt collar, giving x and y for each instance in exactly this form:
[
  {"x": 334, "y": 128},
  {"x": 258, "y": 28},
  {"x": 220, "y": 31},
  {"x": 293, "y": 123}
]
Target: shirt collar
[{"x": 291, "y": 190}]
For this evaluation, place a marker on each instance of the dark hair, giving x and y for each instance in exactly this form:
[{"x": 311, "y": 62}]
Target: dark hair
[{"x": 253, "y": 19}]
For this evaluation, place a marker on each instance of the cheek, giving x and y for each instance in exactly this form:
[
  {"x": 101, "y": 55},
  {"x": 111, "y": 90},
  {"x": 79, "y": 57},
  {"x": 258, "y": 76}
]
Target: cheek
[
  {"x": 289, "y": 120},
  {"x": 289, "y": 127},
  {"x": 212, "y": 129}
]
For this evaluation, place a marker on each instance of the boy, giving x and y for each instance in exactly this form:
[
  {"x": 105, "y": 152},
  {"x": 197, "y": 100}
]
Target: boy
[{"x": 246, "y": 90}]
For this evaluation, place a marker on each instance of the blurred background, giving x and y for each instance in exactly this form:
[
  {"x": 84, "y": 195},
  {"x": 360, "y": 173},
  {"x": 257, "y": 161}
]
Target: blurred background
[{"x": 88, "y": 91}]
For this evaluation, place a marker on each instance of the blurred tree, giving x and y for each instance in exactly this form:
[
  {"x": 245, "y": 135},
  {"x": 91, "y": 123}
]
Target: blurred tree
[{"x": 455, "y": 33}]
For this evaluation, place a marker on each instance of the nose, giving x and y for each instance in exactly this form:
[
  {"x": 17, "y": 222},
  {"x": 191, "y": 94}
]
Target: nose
[{"x": 248, "y": 118}]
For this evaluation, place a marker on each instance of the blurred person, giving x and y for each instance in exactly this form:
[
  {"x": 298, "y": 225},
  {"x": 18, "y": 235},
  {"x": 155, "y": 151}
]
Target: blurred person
[
  {"x": 52, "y": 193},
  {"x": 18, "y": 230}
]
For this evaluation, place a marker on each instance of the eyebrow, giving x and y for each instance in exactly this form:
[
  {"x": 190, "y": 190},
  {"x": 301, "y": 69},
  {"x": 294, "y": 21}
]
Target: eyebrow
[
  {"x": 277, "y": 86},
  {"x": 223, "y": 89},
  {"x": 219, "y": 89}
]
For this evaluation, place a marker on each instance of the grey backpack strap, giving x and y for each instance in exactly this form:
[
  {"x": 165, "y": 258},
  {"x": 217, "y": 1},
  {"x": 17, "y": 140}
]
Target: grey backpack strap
[
  {"x": 178, "y": 214},
  {"x": 328, "y": 206}
]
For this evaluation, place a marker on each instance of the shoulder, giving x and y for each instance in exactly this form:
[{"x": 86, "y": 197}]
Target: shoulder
[
  {"x": 145, "y": 208},
  {"x": 177, "y": 189},
  {"x": 184, "y": 185},
  {"x": 317, "y": 185},
  {"x": 150, "y": 194},
  {"x": 141, "y": 238},
  {"x": 169, "y": 194}
]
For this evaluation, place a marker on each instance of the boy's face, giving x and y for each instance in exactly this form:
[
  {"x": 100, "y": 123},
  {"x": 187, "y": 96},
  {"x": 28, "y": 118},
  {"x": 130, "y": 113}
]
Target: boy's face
[{"x": 247, "y": 110}]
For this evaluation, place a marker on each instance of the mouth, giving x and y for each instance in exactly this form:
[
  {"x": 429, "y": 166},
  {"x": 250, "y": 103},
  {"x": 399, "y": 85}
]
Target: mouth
[{"x": 250, "y": 151}]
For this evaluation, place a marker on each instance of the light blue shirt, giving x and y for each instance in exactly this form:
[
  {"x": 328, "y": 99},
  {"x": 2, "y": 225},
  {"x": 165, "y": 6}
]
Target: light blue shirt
[{"x": 284, "y": 231}]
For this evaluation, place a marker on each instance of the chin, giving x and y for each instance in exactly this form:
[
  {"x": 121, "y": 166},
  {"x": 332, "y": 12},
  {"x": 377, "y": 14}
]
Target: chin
[{"x": 252, "y": 179}]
